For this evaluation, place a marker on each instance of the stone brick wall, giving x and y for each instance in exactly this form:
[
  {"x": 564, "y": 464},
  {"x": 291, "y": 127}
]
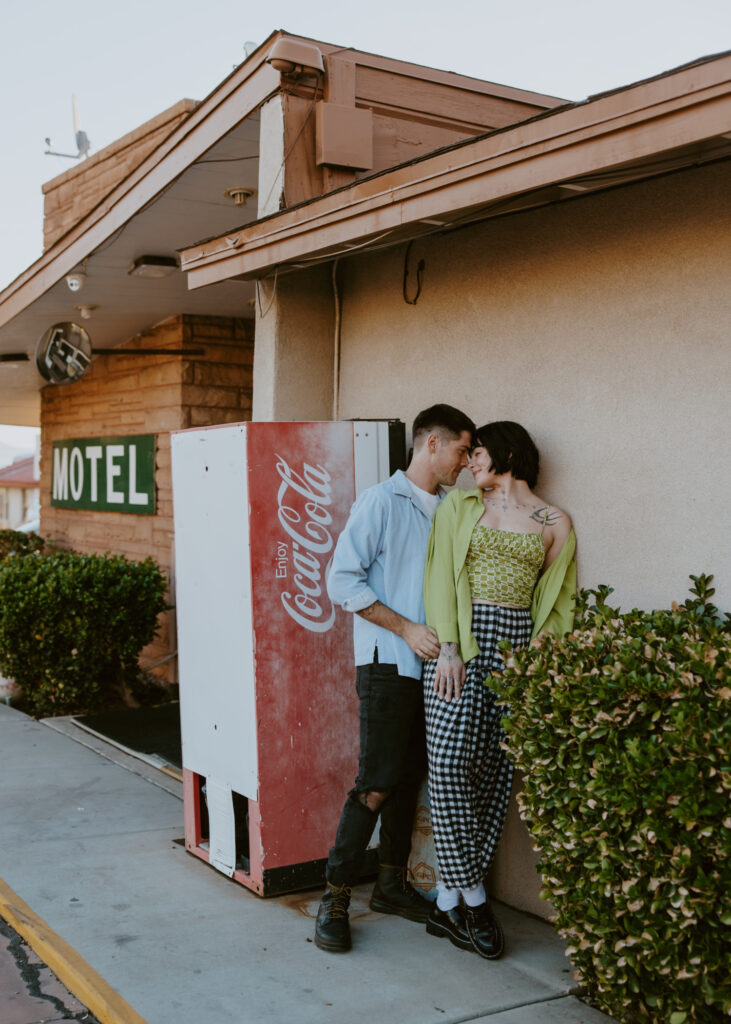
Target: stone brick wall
[
  {"x": 71, "y": 195},
  {"x": 126, "y": 394}
]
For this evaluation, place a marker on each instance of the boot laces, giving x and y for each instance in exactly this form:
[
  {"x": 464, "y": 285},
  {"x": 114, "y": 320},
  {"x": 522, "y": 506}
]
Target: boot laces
[
  {"x": 340, "y": 900},
  {"x": 407, "y": 879}
]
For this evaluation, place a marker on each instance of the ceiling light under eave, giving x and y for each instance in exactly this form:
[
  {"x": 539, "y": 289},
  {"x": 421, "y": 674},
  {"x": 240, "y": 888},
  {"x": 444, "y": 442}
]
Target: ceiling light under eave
[
  {"x": 239, "y": 195},
  {"x": 153, "y": 266}
]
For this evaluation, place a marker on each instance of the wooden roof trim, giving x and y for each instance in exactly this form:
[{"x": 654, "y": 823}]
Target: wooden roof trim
[
  {"x": 239, "y": 95},
  {"x": 653, "y": 117},
  {"x": 246, "y": 88},
  {"x": 434, "y": 75}
]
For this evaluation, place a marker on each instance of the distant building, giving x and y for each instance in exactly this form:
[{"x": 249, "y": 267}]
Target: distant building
[{"x": 19, "y": 492}]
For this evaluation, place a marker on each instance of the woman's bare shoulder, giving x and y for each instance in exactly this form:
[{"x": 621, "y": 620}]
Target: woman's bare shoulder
[{"x": 552, "y": 515}]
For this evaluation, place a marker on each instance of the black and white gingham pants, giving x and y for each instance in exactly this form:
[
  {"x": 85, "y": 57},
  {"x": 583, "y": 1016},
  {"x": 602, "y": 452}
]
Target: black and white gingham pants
[{"x": 469, "y": 775}]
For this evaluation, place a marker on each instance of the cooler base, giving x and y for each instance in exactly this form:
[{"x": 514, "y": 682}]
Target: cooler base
[
  {"x": 250, "y": 872},
  {"x": 291, "y": 877}
]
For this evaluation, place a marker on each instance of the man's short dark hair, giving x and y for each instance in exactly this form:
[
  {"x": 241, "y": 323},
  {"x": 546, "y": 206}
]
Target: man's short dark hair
[
  {"x": 511, "y": 449},
  {"x": 444, "y": 418}
]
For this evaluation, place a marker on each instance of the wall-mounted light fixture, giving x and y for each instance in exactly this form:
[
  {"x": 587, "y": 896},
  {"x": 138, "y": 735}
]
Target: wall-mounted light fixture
[
  {"x": 153, "y": 266},
  {"x": 293, "y": 57}
]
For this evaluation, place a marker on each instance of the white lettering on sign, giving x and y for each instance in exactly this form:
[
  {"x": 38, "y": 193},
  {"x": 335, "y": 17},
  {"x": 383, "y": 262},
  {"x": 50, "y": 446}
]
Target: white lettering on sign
[
  {"x": 61, "y": 474},
  {"x": 114, "y": 451},
  {"x": 282, "y": 559},
  {"x": 77, "y": 474},
  {"x": 307, "y": 527},
  {"x": 135, "y": 497},
  {"x": 93, "y": 453},
  {"x": 101, "y": 473}
]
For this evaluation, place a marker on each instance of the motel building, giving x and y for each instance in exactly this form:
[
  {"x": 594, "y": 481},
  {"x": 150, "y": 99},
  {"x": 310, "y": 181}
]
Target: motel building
[{"x": 334, "y": 235}]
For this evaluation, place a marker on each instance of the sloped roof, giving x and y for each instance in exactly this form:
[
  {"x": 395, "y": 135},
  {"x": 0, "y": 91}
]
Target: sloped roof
[
  {"x": 677, "y": 119},
  {"x": 20, "y": 473}
]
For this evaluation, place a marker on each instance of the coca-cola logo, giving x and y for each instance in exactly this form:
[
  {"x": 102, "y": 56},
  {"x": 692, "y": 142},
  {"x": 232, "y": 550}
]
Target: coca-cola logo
[{"x": 302, "y": 508}]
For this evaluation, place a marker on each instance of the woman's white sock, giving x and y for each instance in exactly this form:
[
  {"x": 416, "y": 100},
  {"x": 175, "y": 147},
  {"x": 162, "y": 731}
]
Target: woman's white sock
[
  {"x": 474, "y": 897},
  {"x": 447, "y": 899}
]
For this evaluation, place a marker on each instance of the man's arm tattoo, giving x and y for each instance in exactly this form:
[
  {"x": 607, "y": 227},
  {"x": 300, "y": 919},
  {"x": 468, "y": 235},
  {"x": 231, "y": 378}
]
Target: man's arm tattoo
[{"x": 369, "y": 612}]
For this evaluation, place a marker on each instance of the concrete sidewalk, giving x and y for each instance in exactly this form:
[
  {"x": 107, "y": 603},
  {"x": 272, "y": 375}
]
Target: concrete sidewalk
[{"x": 94, "y": 851}]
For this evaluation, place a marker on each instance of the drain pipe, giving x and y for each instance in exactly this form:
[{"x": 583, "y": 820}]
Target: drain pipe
[{"x": 336, "y": 342}]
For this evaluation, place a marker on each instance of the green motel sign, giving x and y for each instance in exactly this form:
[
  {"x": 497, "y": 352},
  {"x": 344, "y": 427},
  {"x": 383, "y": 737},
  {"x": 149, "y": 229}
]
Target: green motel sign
[{"x": 105, "y": 474}]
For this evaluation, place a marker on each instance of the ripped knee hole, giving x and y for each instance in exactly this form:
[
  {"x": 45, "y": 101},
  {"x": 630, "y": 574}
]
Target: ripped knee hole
[{"x": 372, "y": 799}]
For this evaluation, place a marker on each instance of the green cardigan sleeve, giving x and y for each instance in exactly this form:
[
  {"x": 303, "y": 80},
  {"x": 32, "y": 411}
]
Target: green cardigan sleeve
[
  {"x": 447, "y": 598},
  {"x": 440, "y": 594},
  {"x": 552, "y": 609}
]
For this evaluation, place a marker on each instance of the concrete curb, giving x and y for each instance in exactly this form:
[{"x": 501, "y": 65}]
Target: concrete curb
[{"x": 72, "y": 970}]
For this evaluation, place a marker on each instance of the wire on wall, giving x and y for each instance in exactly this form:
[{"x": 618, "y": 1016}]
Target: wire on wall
[
  {"x": 263, "y": 312},
  {"x": 419, "y": 277}
]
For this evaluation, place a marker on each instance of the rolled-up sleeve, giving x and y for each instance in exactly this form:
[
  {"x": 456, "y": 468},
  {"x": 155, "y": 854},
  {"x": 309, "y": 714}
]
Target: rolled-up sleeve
[{"x": 356, "y": 551}]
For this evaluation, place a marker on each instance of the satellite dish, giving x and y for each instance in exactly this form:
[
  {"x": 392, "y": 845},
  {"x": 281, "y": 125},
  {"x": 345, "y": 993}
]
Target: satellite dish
[
  {"x": 83, "y": 145},
  {"x": 63, "y": 353}
]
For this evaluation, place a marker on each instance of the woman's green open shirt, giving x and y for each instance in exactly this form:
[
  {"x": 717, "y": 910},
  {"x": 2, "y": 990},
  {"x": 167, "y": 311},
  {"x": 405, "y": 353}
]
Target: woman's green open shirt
[{"x": 447, "y": 597}]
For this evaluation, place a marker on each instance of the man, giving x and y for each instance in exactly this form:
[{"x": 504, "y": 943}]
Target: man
[{"x": 377, "y": 573}]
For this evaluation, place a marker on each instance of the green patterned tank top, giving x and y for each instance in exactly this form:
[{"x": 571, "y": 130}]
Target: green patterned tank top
[{"x": 503, "y": 566}]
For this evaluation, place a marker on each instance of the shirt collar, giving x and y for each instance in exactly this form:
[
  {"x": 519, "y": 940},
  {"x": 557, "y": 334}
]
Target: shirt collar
[{"x": 402, "y": 486}]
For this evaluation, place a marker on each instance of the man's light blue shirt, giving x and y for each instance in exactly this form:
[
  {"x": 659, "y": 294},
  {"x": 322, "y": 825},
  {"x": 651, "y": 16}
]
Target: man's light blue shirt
[{"x": 380, "y": 556}]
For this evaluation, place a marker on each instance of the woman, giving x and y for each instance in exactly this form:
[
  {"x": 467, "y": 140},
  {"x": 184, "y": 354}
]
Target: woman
[{"x": 500, "y": 566}]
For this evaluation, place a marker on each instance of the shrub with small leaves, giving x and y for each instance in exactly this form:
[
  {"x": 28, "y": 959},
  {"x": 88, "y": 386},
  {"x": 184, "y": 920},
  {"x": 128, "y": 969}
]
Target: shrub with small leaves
[
  {"x": 13, "y": 542},
  {"x": 72, "y": 626},
  {"x": 622, "y": 732}
]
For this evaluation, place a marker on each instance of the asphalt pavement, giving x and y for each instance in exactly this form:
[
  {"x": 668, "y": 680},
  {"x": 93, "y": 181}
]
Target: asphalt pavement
[{"x": 118, "y": 921}]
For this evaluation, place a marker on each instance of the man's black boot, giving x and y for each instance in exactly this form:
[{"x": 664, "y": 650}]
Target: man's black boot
[
  {"x": 484, "y": 931},
  {"x": 332, "y": 928},
  {"x": 450, "y": 923},
  {"x": 393, "y": 893}
]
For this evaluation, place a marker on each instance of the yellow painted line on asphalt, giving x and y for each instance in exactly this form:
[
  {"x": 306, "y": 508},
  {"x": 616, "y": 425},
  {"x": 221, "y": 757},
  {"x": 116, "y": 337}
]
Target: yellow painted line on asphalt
[{"x": 76, "y": 974}]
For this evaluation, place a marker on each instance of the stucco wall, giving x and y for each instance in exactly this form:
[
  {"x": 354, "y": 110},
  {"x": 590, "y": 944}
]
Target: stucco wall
[
  {"x": 293, "y": 355},
  {"x": 601, "y": 324}
]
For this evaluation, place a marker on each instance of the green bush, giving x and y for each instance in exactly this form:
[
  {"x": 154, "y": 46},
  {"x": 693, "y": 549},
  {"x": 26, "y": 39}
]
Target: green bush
[
  {"x": 72, "y": 626},
  {"x": 13, "y": 542},
  {"x": 621, "y": 730}
]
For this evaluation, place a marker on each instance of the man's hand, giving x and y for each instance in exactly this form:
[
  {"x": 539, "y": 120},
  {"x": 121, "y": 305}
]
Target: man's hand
[
  {"x": 421, "y": 639},
  {"x": 450, "y": 674}
]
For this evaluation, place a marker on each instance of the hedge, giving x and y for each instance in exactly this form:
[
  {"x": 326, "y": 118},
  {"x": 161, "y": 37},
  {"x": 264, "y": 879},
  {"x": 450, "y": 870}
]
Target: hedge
[
  {"x": 621, "y": 730},
  {"x": 72, "y": 626}
]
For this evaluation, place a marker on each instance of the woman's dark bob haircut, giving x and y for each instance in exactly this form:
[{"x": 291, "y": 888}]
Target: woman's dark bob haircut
[{"x": 511, "y": 450}]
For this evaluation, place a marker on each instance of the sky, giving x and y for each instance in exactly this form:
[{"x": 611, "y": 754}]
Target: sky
[{"x": 128, "y": 61}]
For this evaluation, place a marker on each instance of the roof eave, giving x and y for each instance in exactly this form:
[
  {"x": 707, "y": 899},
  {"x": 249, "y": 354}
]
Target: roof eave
[{"x": 641, "y": 122}]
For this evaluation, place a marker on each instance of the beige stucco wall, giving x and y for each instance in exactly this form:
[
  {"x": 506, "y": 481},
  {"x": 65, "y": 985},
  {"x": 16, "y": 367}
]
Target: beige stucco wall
[
  {"x": 293, "y": 355},
  {"x": 601, "y": 324}
]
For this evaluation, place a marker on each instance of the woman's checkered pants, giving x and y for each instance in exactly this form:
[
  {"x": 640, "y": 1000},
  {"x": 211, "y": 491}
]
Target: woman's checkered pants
[{"x": 469, "y": 775}]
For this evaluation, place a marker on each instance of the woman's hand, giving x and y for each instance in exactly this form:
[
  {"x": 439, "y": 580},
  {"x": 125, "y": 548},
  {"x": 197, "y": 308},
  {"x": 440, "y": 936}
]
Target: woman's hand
[{"x": 450, "y": 673}]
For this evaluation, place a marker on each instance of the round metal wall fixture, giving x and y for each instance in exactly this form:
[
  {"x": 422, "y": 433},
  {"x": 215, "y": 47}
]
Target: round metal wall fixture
[{"x": 63, "y": 353}]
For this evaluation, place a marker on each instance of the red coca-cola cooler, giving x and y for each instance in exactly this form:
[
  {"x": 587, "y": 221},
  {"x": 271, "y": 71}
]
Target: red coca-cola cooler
[{"x": 267, "y": 699}]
